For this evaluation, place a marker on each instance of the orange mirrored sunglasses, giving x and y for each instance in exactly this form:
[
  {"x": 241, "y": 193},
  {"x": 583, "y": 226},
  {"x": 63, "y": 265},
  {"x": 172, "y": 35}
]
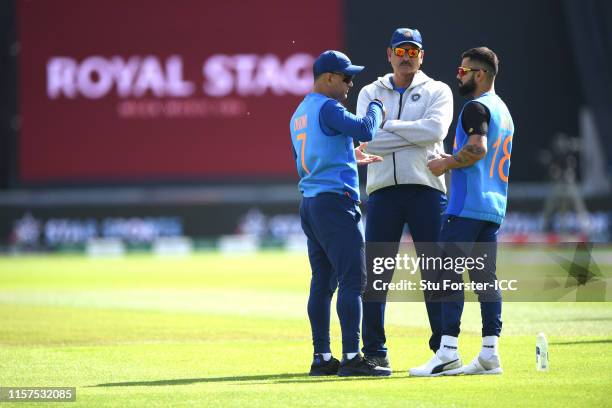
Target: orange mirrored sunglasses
[
  {"x": 463, "y": 71},
  {"x": 412, "y": 52}
]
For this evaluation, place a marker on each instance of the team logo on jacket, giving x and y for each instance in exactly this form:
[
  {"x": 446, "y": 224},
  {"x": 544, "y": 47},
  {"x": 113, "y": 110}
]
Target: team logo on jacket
[{"x": 415, "y": 97}]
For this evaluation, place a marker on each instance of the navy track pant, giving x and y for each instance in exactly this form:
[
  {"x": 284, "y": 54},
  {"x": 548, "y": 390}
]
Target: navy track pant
[
  {"x": 336, "y": 250},
  {"x": 483, "y": 235},
  {"x": 389, "y": 209}
]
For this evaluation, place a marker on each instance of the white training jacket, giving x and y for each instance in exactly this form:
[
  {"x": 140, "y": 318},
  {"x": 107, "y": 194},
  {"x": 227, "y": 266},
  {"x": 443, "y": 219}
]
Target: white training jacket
[{"x": 414, "y": 129}]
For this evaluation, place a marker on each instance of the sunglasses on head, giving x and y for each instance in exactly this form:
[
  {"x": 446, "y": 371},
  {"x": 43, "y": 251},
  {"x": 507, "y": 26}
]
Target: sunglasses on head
[
  {"x": 412, "y": 52},
  {"x": 347, "y": 79},
  {"x": 463, "y": 71}
]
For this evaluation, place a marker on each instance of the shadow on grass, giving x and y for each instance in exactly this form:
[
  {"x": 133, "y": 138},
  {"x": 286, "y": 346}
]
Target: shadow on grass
[
  {"x": 289, "y": 378},
  {"x": 336, "y": 379},
  {"x": 185, "y": 381},
  {"x": 568, "y": 343}
]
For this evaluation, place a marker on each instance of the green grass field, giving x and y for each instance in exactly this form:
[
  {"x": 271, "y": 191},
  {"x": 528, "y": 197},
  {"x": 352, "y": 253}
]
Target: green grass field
[{"x": 212, "y": 330}]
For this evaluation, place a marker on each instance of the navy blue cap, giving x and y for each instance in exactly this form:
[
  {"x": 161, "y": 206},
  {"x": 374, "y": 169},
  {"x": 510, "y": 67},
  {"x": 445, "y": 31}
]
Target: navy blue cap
[
  {"x": 334, "y": 61},
  {"x": 406, "y": 35}
]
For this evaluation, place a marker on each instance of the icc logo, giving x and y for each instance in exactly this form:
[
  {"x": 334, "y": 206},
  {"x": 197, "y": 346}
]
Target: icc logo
[{"x": 415, "y": 97}]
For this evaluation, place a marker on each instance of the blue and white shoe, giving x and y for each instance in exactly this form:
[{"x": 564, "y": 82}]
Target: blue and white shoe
[
  {"x": 483, "y": 366},
  {"x": 437, "y": 366}
]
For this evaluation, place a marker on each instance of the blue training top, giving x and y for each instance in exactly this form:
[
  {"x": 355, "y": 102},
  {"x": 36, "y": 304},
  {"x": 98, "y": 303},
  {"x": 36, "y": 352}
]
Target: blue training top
[
  {"x": 480, "y": 191},
  {"x": 322, "y": 133}
]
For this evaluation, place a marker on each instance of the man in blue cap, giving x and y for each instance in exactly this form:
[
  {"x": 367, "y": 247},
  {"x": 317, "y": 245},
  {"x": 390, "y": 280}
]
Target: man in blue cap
[
  {"x": 401, "y": 189},
  {"x": 322, "y": 134}
]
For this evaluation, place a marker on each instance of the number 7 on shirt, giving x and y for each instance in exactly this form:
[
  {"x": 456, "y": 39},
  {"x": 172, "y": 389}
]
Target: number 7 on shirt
[{"x": 302, "y": 138}]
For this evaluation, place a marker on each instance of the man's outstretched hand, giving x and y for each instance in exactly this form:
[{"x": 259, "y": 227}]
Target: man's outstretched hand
[{"x": 364, "y": 158}]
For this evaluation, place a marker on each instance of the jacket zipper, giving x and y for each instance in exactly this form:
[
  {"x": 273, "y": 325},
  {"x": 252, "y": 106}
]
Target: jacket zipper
[{"x": 399, "y": 112}]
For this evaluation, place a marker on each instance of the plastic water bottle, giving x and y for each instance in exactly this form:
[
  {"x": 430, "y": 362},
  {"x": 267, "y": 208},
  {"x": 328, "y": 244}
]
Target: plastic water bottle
[{"x": 541, "y": 353}]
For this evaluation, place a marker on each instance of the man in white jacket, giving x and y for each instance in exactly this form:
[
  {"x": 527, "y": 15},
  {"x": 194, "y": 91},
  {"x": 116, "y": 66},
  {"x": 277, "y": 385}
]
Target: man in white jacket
[{"x": 401, "y": 189}]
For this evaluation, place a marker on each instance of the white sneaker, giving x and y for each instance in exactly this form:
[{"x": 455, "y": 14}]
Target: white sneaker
[
  {"x": 437, "y": 366},
  {"x": 481, "y": 366}
]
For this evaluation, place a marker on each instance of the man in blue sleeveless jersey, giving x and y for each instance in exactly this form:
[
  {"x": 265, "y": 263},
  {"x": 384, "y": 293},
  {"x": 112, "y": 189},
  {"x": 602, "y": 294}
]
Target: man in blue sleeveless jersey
[
  {"x": 480, "y": 166},
  {"x": 322, "y": 134}
]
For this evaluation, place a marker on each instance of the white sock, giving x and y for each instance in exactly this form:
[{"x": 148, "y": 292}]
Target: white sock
[
  {"x": 490, "y": 346},
  {"x": 350, "y": 356},
  {"x": 448, "y": 348},
  {"x": 326, "y": 356}
]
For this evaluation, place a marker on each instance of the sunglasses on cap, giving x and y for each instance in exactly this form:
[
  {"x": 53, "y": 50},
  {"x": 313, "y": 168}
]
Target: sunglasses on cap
[
  {"x": 463, "y": 71},
  {"x": 347, "y": 79},
  {"x": 412, "y": 52}
]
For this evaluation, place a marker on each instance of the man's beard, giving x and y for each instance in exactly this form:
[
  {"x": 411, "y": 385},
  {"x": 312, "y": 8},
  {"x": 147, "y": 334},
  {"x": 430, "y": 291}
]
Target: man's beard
[{"x": 468, "y": 88}]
